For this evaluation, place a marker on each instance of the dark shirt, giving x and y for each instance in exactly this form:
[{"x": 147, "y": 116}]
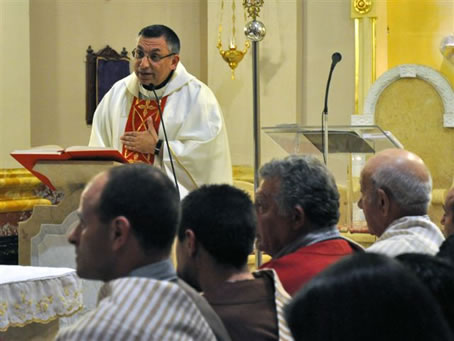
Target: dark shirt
[{"x": 247, "y": 308}]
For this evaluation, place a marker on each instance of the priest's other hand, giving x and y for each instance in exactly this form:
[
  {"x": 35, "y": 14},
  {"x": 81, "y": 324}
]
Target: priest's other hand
[{"x": 141, "y": 141}]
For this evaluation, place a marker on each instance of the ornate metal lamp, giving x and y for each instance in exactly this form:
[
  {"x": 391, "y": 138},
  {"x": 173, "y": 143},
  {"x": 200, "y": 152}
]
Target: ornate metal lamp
[{"x": 232, "y": 56}]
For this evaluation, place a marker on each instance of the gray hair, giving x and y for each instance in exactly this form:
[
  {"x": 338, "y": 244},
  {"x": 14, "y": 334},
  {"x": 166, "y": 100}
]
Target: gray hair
[
  {"x": 305, "y": 181},
  {"x": 409, "y": 191}
]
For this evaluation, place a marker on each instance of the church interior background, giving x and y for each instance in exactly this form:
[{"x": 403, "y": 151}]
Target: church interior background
[{"x": 396, "y": 71}]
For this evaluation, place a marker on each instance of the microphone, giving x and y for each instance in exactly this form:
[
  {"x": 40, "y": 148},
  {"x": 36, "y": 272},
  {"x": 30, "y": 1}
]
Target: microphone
[
  {"x": 336, "y": 58},
  {"x": 151, "y": 86}
]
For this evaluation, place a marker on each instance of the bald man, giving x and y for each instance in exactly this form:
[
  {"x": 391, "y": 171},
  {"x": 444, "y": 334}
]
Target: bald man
[{"x": 396, "y": 189}]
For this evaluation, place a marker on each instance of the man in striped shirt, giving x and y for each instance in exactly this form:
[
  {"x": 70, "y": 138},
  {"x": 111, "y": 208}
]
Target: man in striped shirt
[
  {"x": 128, "y": 219},
  {"x": 396, "y": 189}
]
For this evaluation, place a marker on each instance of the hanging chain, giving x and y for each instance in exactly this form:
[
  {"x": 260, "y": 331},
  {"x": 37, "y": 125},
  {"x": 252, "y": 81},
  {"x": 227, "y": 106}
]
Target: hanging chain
[
  {"x": 232, "y": 39},
  {"x": 219, "y": 43},
  {"x": 232, "y": 56}
]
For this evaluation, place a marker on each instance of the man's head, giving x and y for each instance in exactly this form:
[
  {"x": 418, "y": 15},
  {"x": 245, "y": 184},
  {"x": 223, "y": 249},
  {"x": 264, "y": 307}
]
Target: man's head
[
  {"x": 394, "y": 183},
  {"x": 156, "y": 54},
  {"x": 128, "y": 218},
  {"x": 297, "y": 195},
  {"x": 217, "y": 221},
  {"x": 448, "y": 216}
]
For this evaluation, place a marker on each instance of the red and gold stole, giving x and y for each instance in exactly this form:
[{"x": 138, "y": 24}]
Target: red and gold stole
[{"x": 141, "y": 109}]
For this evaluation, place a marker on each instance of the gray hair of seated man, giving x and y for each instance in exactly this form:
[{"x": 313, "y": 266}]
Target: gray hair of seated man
[
  {"x": 305, "y": 181},
  {"x": 408, "y": 190}
]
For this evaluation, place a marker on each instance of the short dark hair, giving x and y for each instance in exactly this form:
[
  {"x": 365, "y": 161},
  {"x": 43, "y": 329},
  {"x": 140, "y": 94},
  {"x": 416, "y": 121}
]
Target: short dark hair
[
  {"x": 438, "y": 275},
  {"x": 305, "y": 181},
  {"x": 156, "y": 31},
  {"x": 366, "y": 296},
  {"x": 223, "y": 220},
  {"x": 147, "y": 198}
]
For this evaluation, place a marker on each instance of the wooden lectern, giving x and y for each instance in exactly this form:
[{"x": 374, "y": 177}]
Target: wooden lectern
[
  {"x": 66, "y": 171},
  {"x": 68, "y": 177}
]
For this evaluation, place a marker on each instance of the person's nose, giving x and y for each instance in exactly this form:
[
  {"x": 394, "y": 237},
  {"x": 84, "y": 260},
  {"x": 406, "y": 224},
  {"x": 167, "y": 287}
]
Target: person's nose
[
  {"x": 442, "y": 221},
  {"x": 73, "y": 235},
  {"x": 145, "y": 62},
  {"x": 360, "y": 203}
]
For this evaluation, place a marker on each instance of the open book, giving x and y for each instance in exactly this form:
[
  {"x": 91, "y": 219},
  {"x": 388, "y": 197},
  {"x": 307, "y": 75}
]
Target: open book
[{"x": 29, "y": 157}]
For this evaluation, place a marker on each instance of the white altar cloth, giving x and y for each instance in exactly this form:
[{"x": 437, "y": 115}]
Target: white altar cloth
[{"x": 37, "y": 294}]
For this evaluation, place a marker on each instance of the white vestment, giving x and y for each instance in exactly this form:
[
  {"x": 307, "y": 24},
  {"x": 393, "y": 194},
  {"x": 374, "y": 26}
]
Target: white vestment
[{"x": 193, "y": 121}]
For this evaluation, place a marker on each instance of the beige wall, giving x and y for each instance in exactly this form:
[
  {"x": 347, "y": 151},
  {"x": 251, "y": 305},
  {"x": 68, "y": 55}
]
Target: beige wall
[
  {"x": 14, "y": 79},
  {"x": 295, "y": 57}
]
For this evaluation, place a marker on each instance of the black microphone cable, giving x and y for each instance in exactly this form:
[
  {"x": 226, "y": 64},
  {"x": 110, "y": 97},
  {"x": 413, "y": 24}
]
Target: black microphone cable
[{"x": 158, "y": 102}]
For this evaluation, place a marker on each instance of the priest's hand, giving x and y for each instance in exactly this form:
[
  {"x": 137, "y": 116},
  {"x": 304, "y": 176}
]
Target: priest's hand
[{"x": 141, "y": 141}]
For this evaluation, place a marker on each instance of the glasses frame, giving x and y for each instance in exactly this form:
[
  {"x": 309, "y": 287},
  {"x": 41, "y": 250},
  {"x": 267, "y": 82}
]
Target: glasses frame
[{"x": 149, "y": 58}]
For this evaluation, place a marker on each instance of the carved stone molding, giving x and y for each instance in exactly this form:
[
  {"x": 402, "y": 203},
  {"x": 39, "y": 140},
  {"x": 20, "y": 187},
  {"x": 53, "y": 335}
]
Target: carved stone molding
[{"x": 433, "y": 77}]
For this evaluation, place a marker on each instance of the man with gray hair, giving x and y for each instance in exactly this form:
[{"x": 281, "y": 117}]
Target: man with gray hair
[
  {"x": 396, "y": 189},
  {"x": 297, "y": 208}
]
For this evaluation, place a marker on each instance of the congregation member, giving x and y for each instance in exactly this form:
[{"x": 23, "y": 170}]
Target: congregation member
[
  {"x": 437, "y": 274},
  {"x": 215, "y": 237},
  {"x": 297, "y": 207},
  {"x": 447, "y": 249},
  {"x": 127, "y": 118},
  {"x": 396, "y": 189},
  {"x": 128, "y": 217},
  {"x": 366, "y": 296},
  {"x": 448, "y": 213}
]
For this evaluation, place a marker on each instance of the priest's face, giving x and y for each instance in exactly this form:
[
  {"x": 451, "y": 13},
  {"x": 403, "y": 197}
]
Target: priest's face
[
  {"x": 91, "y": 238},
  {"x": 153, "y": 60}
]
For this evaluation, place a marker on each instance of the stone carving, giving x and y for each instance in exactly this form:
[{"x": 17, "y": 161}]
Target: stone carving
[{"x": 425, "y": 73}]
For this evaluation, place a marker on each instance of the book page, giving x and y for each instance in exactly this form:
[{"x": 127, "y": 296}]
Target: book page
[
  {"x": 86, "y": 148},
  {"x": 47, "y": 149}
]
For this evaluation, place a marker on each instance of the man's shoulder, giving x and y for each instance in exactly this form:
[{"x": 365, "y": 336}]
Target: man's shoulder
[
  {"x": 324, "y": 248},
  {"x": 131, "y": 299},
  {"x": 206, "y": 310},
  {"x": 187, "y": 81},
  {"x": 409, "y": 234}
]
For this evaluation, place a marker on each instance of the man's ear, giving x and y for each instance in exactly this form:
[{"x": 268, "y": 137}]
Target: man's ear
[
  {"x": 120, "y": 232},
  {"x": 383, "y": 202},
  {"x": 175, "y": 60},
  {"x": 190, "y": 242},
  {"x": 298, "y": 217}
]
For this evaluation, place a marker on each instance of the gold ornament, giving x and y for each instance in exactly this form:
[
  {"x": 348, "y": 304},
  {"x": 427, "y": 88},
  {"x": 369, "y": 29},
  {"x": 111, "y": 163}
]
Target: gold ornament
[
  {"x": 253, "y": 7},
  {"x": 232, "y": 56},
  {"x": 362, "y": 6}
]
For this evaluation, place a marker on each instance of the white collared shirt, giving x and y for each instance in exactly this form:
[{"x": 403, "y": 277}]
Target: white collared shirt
[{"x": 415, "y": 234}]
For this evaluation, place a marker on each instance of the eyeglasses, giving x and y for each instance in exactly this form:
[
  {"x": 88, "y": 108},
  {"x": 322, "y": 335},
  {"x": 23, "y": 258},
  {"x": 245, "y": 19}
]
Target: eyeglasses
[{"x": 154, "y": 57}]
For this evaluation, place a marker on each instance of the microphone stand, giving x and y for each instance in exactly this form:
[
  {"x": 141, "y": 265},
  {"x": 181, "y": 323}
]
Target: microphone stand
[
  {"x": 336, "y": 58},
  {"x": 325, "y": 121}
]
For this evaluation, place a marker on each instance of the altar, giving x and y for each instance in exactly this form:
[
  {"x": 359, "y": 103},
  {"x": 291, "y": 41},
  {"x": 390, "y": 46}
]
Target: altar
[{"x": 34, "y": 299}]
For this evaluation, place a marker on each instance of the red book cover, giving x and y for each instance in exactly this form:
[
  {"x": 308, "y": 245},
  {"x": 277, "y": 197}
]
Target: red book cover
[{"x": 29, "y": 157}]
